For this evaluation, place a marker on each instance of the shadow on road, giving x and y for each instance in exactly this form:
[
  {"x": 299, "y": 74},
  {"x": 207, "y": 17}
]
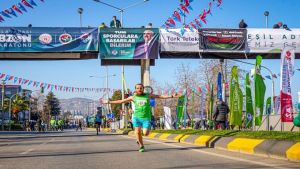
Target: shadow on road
[{"x": 97, "y": 152}]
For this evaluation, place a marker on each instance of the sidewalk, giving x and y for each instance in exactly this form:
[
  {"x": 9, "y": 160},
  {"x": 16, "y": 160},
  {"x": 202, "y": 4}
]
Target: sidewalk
[{"x": 288, "y": 150}]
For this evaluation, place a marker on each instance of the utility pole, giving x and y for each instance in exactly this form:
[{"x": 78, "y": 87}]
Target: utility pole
[{"x": 2, "y": 105}]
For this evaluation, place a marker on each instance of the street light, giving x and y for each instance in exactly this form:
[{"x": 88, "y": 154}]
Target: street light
[
  {"x": 266, "y": 15},
  {"x": 106, "y": 77},
  {"x": 80, "y": 11}
]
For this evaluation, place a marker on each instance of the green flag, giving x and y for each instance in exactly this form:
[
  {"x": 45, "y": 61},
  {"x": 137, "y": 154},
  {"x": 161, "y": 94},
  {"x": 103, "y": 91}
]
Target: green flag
[
  {"x": 268, "y": 106},
  {"x": 259, "y": 92},
  {"x": 236, "y": 99},
  {"x": 180, "y": 106},
  {"x": 249, "y": 104}
]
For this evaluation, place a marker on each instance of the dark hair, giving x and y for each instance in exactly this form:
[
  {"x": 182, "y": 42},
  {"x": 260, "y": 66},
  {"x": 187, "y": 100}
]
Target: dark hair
[{"x": 138, "y": 85}]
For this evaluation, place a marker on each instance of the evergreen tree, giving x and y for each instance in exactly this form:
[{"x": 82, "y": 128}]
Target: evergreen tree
[{"x": 51, "y": 105}]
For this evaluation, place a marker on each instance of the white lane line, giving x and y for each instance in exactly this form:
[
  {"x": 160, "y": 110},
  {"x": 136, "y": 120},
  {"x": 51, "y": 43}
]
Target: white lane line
[
  {"x": 214, "y": 154},
  {"x": 31, "y": 149},
  {"x": 27, "y": 151}
]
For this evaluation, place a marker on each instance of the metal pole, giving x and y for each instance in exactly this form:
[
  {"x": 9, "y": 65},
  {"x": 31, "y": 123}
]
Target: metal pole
[
  {"x": 2, "y": 105},
  {"x": 267, "y": 21},
  {"x": 80, "y": 20},
  {"x": 107, "y": 94}
]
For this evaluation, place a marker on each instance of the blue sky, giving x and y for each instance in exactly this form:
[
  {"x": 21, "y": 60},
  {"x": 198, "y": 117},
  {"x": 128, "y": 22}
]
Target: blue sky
[{"x": 63, "y": 13}]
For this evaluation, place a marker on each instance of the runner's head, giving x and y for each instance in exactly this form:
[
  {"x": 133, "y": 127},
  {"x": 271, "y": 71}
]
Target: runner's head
[{"x": 139, "y": 89}]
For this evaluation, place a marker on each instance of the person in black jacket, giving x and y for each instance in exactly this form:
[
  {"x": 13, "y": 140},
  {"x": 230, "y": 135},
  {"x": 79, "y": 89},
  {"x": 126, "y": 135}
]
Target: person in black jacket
[
  {"x": 242, "y": 24},
  {"x": 221, "y": 114}
]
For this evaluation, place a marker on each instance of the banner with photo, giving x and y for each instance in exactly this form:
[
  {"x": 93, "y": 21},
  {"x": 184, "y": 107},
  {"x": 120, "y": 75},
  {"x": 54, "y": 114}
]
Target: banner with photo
[
  {"x": 129, "y": 43},
  {"x": 272, "y": 40},
  {"x": 222, "y": 39},
  {"x": 177, "y": 40},
  {"x": 39, "y": 39}
]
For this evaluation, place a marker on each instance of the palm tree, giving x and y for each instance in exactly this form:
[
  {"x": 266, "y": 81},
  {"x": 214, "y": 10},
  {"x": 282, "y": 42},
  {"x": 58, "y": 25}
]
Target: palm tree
[{"x": 19, "y": 104}]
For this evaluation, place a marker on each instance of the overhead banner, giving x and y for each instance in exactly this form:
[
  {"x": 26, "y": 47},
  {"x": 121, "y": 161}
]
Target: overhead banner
[
  {"x": 38, "y": 39},
  {"x": 179, "y": 40},
  {"x": 130, "y": 43},
  {"x": 222, "y": 39},
  {"x": 272, "y": 40}
]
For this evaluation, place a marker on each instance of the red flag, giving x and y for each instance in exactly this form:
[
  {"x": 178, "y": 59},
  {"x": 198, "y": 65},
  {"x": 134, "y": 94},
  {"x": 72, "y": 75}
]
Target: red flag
[
  {"x": 167, "y": 24},
  {"x": 20, "y": 80},
  {"x": 198, "y": 23},
  {"x": 177, "y": 15},
  {"x": 34, "y": 83},
  {"x": 199, "y": 90},
  {"x": 26, "y": 81},
  {"x": 219, "y": 3},
  {"x": 184, "y": 8},
  {"x": 172, "y": 21},
  {"x": 26, "y": 3},
  {"x": 48, "y": 86},
  {"x": 11, "y": 77},
  {"x": 187, "y": 2},
  {"x": 17, "y": 9},
  {"x": 2, "y": 76},
  {"x": 192, "y": 24},
  {"x": 42, "y": 84},
  {"x": 72, "y": 89}
]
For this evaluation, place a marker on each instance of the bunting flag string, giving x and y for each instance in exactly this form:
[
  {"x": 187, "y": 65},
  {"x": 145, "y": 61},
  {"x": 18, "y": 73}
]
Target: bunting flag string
[
  {"x": 48, "y": 86},
  {"x": 18, "y": 8},
  {"x": 183, "y": 10}
]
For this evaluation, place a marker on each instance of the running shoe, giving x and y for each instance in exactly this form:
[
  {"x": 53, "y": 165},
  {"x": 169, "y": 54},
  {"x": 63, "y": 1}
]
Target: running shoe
[{"x": 142, "y": 149}]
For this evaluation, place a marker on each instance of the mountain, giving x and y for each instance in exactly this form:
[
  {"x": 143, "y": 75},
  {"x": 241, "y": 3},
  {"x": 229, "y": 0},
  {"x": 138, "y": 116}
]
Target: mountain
[{"x": 79, "y": 106}]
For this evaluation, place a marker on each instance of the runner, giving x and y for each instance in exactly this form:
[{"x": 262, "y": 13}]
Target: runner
[
  {"x": 98, "y": 120},
  {"x": 142, "y": 111}
]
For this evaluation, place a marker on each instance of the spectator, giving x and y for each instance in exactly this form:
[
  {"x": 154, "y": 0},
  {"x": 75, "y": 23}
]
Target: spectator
[
  {"x": 115, "y": 23},
  {"x": 149, "y": 25},
  {"x": 277, "y": 25},
  {"x": 243, "y": 24},
  {"x": 102, "y": 25},
  {"x": 220, "y": 114}
]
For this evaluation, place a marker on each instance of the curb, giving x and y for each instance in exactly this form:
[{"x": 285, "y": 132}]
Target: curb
[{"x": 287, "y": 150}]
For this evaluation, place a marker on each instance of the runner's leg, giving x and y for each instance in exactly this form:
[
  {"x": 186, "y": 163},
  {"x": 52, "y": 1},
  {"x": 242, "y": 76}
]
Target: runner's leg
[{"x": 138, "y": 134}]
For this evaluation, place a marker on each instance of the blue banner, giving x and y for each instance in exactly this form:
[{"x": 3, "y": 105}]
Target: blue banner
[
  {"x": 39, "y": 39},
  {"x": 219, "y": 86}
]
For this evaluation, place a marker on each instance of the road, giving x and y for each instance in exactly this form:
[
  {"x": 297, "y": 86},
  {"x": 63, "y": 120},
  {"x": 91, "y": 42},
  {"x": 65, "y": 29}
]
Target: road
[{"x": 84, "y": 150}]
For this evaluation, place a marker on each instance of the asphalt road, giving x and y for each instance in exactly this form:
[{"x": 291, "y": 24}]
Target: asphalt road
[{"x": 85, "y": 150}]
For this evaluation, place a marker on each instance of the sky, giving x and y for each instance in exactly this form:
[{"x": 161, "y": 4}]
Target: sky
[{"x": 63, "y": 13}]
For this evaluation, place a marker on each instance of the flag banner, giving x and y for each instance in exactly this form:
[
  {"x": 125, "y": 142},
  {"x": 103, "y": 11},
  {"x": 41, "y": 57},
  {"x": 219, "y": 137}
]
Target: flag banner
[
  {"x": 38, "y": 39},
  {"x": 172, "y": 40},
  {"x": 272, "y": 40},
  {"x": 276, "y": 101},
  {"x": 249, "y": 103},
  {"x": 129, "y": 43},
  {"x": 219, "y": 94},
  {"x": 180, "y": 109},
  {"x": 268, "y": 106},
  {"x": 259, "y": 92},
  {"x": 168, "y": 118},
  {"x": 286, "y": 104},
  {"x": 236, "y": 99},
  {"x": 222, "y": 39}
]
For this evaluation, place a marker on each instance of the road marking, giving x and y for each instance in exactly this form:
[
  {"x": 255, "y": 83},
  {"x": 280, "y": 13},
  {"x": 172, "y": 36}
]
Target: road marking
[
  {"x": 214, "y": 154},
  {"x": 27, "y": 151}
]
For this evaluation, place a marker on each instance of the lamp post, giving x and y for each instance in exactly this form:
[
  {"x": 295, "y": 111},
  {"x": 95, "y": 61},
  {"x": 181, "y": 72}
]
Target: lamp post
[
  {"x": 80, "y": 11},
  {"x": 2, "y": 103},
  {"x": 266, "y": 15},
  {"x": 106, "y": 79}
]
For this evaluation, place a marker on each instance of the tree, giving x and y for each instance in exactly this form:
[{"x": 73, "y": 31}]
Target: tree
[
  {"x": 19, "y": 104},
  {"x": 51, "y": 106},
  {"x": 115, "y": 108}
]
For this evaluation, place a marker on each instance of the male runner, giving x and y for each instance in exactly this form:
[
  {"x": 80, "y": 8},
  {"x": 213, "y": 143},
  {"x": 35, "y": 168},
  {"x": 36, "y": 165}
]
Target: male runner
[
  {"x": 142, "y": 111},
  {"x": 98, "y": 120}
]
